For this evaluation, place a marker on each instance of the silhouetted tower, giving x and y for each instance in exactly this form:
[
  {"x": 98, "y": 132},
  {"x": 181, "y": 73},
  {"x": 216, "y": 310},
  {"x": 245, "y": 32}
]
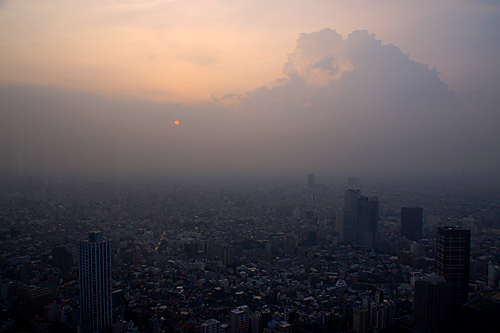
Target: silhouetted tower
[
  {"x": 360, "y": 219},
  {"x": 368, "y": 217},
  {"x": 350, "y": 215},
  {"x": 95, "y": 284},
  {"x": 310, "y": 180},
  {"x": 411, "y": 222},
  {"x": 452, "y": 262}
]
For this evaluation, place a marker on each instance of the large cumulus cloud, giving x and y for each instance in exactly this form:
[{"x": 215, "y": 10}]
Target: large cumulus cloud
[{"x": 356, "y": 105}]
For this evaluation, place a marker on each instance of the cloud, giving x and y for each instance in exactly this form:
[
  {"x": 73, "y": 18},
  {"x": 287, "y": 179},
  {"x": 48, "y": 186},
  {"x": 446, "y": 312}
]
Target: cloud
[
  {"x": 326, "y": 65},
  {"x": 318, "y": 57},
  {"x": 379, "y": 112},
  {"x": 351, "y": 106}
]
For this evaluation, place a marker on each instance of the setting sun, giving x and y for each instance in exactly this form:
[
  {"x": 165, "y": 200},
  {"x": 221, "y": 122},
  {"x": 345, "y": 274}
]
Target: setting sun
[{"x": 176, "y": 122}]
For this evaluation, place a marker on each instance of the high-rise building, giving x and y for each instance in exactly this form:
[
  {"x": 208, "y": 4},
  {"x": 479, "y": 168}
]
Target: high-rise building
[
  {"x": 411, "y": 222},
  {"x": 432, "y": 304},
  {"x": 368, "y": 216},
  {"x": 265, "y": 318},
  {"x": 452, "y": 262},
  {"x": 310, "y": 180},
  {"x": 360, "y": 219},
  {"x": 360, "y": 320},
  {"x": 239, "y": 318},
  {"x": 350, "y": 216},
  {"x": 95, "y": 284},
  {"x": 211, "y": 326}
]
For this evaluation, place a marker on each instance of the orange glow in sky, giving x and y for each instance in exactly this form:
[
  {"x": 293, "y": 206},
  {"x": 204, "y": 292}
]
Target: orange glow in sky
[{"x": 188, "y": 51}]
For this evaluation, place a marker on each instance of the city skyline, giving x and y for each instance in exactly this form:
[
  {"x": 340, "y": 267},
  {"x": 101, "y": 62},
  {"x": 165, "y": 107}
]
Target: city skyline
[{"x": 187, "y": 252}]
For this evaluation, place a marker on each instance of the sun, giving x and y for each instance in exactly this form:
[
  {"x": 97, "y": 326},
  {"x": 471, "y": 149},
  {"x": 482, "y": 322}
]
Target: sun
[{"x": 176, "y": 122}]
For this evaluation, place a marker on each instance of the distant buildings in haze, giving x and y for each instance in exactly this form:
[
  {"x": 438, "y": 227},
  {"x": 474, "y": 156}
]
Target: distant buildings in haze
[{"x": 310, "y": 181}]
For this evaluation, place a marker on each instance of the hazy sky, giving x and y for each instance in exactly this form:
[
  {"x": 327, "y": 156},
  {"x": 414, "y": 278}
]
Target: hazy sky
[
  {"x": 184, "y": 51},
  {"x": 392, "y": 87}
]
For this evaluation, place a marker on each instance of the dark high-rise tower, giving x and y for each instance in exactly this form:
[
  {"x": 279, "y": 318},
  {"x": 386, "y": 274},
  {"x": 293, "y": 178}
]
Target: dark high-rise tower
[
  {"x": 368, "y": 216},
  {"x": 411, "y": 222},
  {"x": 95, "y": 284},
  {"x": 452, "y": 262},
  {"x": 360, "y": 219},
  {"x": 350, "y": 216},
  {"x": 432, "y": 304},
  {"x": 239, "y": 318},
  {"x": 310, "y": 180}
]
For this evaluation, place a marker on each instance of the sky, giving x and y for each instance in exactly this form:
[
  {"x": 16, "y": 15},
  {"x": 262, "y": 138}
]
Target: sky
[{"x": 389, "y": 87}]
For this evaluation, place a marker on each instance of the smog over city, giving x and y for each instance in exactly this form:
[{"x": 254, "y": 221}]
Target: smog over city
[
  {"x": 398, "y": 90},
  {"x": 283, "y": 165}
]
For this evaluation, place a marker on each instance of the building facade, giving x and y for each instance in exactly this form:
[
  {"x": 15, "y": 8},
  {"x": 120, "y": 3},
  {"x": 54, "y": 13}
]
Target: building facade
[
  {"x": 239, "y": 318},
  {"x": 452, "y": 262},
  {"x": 350, "y": 216},
  {"x": 310, "y": 181},
  {"x": 368, "y": 216},
  {"x": 95, "y": 284}
]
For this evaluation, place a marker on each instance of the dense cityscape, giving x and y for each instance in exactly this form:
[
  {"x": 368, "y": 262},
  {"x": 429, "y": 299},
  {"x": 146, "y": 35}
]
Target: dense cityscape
[
  {"x": 250, "y": 166},
  {"x": 247, "y": 255}
]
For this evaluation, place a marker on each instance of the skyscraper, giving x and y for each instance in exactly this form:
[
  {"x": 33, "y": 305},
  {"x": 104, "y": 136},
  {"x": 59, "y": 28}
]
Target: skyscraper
[
  {"x": 310, "y": 180},
  {"x": 360, "y": 219},
  {"x": 368, "y": 216},
  {"x": 432, "y": 304},
  {"x": 452, "y": 262},
  {"x": 95, "y": 284},
  {"x": 239, "y": 318},
  {"x": 350, "y": 215},
  {"x": 411, "y": 222}
]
